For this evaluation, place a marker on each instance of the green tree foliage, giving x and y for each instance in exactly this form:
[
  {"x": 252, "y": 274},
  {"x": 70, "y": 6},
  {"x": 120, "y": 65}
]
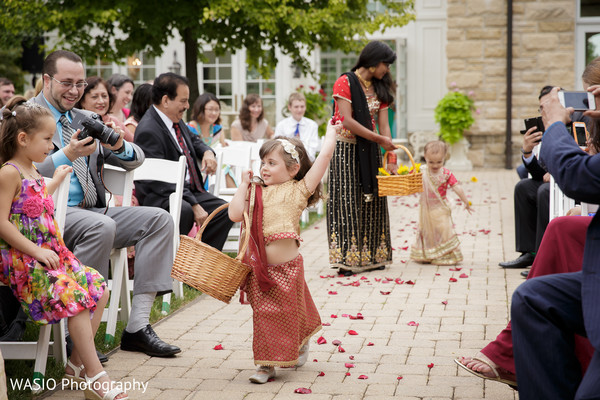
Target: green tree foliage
[{"x": 114, "y": 29}]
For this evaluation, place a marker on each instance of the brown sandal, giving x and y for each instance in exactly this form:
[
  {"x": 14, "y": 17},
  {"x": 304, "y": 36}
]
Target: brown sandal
[{"x": 501, "y": 375}]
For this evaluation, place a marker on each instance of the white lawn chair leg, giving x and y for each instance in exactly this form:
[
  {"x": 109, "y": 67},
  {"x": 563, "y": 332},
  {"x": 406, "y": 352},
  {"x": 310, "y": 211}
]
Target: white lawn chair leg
[
  {"x": 166, "y": 304},
  {"x": 59, "y": 348},
  {"x": 41, "y": 357},
  {"x": 116, "y": 293}
]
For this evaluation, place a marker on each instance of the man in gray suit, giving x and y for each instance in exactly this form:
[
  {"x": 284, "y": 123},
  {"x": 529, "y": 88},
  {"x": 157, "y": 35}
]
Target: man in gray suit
[{"x": 92, "y": 230}]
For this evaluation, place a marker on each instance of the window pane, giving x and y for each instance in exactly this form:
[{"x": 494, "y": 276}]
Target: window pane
[
  {"x": 210, "y": 57},
  {"x": 149, "y": 74},
  {"x": 590, "y": 8},
  {"x": 209, "y": 73},
  {"x": 269, "y": 89},
  {"x": 210, "y": 87},
  {"x": 224, "y": 73},
  {"x": 592, "y": 46},
  {"x": 226, "y": 59},
  {"x": 269, "y": 107},
  {"x": 224, "y": 89},
  {"x": 252, "y": 88}
]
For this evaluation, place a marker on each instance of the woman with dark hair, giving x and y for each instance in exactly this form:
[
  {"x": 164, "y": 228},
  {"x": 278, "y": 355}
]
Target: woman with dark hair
[
  {"x": 357, "y": 218},
  {"x": 251, "y": 124},
  {"x": 121, "y": 87},
  {"x": 206, "y": 119},
  {"x": 96, "y": 98},
  {"x": 142, "y": 100}
]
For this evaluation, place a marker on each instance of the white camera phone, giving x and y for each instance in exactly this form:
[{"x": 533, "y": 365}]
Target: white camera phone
[{"x": 580, "y": 101}]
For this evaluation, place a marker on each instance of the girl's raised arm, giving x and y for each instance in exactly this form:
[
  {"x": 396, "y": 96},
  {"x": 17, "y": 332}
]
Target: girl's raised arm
[
  {"x": 315, "y": 174},
  {"x": 238, "y": 203}
]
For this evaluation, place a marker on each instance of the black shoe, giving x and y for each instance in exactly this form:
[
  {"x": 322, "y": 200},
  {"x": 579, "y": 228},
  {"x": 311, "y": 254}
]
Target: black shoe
[
  {"x": 523, "y": 261},
  {"x": 102, "y": 357},
  {"x": 525, "y": 274},
  {"x": 147, "y": 341}
]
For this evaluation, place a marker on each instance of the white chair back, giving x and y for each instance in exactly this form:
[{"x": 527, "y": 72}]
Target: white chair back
[
  {"x": 237, "y": 158},
  {"x": 559, "y": 203},
  {"x": 155, "y": 169}
]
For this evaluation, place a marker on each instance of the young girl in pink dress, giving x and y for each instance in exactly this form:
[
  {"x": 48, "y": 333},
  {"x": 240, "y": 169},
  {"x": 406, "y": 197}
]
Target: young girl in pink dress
[
  {"x": 436, "y": 240},
  {"x": 43, "y": 274},
  {"x": 284, "y": 314}
]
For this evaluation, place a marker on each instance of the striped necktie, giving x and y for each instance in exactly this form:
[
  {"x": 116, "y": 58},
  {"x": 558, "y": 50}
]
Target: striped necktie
[
  {"x": 90, "y": 196},
  {"x": 195, "y": 181}
]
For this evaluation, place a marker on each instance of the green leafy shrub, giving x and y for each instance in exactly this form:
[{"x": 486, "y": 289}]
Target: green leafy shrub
[{"x": 454, "y": 113}]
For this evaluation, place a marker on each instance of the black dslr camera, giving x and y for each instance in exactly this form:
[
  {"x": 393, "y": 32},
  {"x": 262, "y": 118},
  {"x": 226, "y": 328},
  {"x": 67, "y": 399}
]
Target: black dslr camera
[{"x": 93, "y": 126}]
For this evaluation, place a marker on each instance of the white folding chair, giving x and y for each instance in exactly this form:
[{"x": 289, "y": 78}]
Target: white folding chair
[
  {"x": 39, "y": 351},
  {"x": 237, "y": 157},
  {"x": 155, "y": 169},
  {"x": 120, "y": 183},
  {"x": 559, "y": 203}
]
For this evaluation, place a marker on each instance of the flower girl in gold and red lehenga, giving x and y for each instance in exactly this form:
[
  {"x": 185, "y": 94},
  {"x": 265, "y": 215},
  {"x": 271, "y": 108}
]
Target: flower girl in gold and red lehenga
[
  {"x": 436, "y": 241},
  {"x": 284, "y": 314}
]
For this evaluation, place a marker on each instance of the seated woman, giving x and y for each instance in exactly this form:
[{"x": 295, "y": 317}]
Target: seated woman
[
  {"x": 561, "y": 250},
  {"x": 142, "y": 100},
  {"x": 251, "y": 124}
]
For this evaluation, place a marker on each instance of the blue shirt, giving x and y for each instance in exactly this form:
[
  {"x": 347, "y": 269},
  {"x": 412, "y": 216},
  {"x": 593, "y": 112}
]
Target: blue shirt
[{"x": 59, "y": 157}]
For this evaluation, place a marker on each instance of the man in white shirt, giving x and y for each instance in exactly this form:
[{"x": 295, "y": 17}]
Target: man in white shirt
[{"x": 299, "y": 126}]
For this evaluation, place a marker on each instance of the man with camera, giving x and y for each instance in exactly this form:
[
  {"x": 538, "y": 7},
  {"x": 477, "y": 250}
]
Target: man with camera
[
  {"x": 532, "y": 199},
  {"x": 92, "y": 229},
  {"x": 547, "y": 311}
]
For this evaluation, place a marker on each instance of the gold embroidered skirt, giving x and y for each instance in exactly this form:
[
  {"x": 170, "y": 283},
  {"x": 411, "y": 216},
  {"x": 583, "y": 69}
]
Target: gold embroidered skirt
[
  {"x": 285, "y": 317},
  {"x": 436, "y": 241},
  {"x": 358, "y": 230}
]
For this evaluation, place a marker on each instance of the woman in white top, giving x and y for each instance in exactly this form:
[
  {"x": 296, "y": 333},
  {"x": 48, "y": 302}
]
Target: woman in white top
[{"x": 251, "y": 124}]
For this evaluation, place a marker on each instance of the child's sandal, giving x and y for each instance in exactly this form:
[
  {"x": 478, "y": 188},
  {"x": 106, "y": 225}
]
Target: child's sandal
[
  {"x": 90, "y": 393},
  {"x": 76, "y": 378}
]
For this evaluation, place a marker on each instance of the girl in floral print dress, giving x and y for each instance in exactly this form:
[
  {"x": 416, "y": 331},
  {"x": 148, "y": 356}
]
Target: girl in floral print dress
[
  {"x": 436, "y": 240},
  {"x": 43, "y": 274}
]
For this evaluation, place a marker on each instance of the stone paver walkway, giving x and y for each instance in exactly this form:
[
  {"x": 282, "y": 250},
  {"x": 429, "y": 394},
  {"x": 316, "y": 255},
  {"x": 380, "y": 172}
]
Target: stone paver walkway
[{"x": 410, "y": 326}]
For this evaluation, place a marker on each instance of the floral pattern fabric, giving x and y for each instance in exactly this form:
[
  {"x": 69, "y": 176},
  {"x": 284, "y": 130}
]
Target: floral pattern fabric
[{"x": 46, "y": 295}]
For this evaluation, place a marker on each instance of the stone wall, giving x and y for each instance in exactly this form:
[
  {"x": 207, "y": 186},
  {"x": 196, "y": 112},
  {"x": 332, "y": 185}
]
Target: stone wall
[{"x": 543, "y": 53}]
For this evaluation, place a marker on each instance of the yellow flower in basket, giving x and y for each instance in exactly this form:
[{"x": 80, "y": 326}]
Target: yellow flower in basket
[
  {"x": 403, "y": 170},
  {"x": 383, "y": 172}
]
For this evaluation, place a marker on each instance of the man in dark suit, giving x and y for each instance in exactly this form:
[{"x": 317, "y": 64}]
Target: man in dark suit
[
  {"x": 532, "y": 199},
  {"x": 162, "y": 134},
  {"x": 547, "y": 311},
  {"x": 92, "y": 230}
]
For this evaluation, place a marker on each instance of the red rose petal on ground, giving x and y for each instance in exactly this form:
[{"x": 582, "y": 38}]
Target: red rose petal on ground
[
  {"x": 352, "y": 332},
  {"x": 315, "y": 360},
  {"x": 218, "y": 347},
  {"x": 336, "y": 342},
  {"x": 321, "y": 373},
  {"x": 377, "y": 279},
  {"x": 347, "y": 373},
  {"x": 326, "y": 324},
  {"x": 333, "y": 316},
  {"x": 341, "y": 349},
  {"x": 384, "y": 293},
  {"x": 413, "y": 323},
  {"x": 303, "y": 391},
  {"x": 363, "y": 377},
  {"x": 321, "y": 340},
  {"x": 409, "y": 282},
  {"x": 331, "y": 292},
  {"x": 349, "y": 365},
  {"x": 463, "y": 276},
  {"x": 363, "y": 278},
  {"x": 430, "y": 365},
  {"x": 452, "y": 280},
  {"x": 445, "y": 302},
  {"x": 370, "y": 344},
  {"x": 456, "y": 268},
  {"x": 351, "y": 357},
  {"x": 345, "y": 315},
  {"x": 398, "y": 281},
  {"x": 437, "y": 274},
  {"x": 399, "y": 378},
  {"x": 404, "y": 248}
]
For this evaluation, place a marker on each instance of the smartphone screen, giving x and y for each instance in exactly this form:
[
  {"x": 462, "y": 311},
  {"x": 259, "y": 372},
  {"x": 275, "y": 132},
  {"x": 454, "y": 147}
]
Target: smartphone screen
[
  {"x": 577, "y": 100},
  {"x": 580, "y": 134}
]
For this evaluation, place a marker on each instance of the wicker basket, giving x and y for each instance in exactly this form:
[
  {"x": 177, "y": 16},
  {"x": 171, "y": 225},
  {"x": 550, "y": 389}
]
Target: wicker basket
[
  {"x": 400, "y": 185},
  {"x": 206, "y": 268}
]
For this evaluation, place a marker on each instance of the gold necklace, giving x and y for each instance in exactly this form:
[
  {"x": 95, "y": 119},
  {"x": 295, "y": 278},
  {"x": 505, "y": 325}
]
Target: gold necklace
[{"x": 366, "y": 84}]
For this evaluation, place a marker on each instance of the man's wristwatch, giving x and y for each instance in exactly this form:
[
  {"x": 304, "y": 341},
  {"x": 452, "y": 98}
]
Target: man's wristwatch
[
  {"x": 526, "y": 153},
  {"x": 122, "y": 149}
]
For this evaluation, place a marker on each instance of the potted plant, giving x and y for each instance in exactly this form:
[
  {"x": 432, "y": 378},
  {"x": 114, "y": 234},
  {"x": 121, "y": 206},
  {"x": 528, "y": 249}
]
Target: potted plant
[{"x": 454, "y": 113}]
